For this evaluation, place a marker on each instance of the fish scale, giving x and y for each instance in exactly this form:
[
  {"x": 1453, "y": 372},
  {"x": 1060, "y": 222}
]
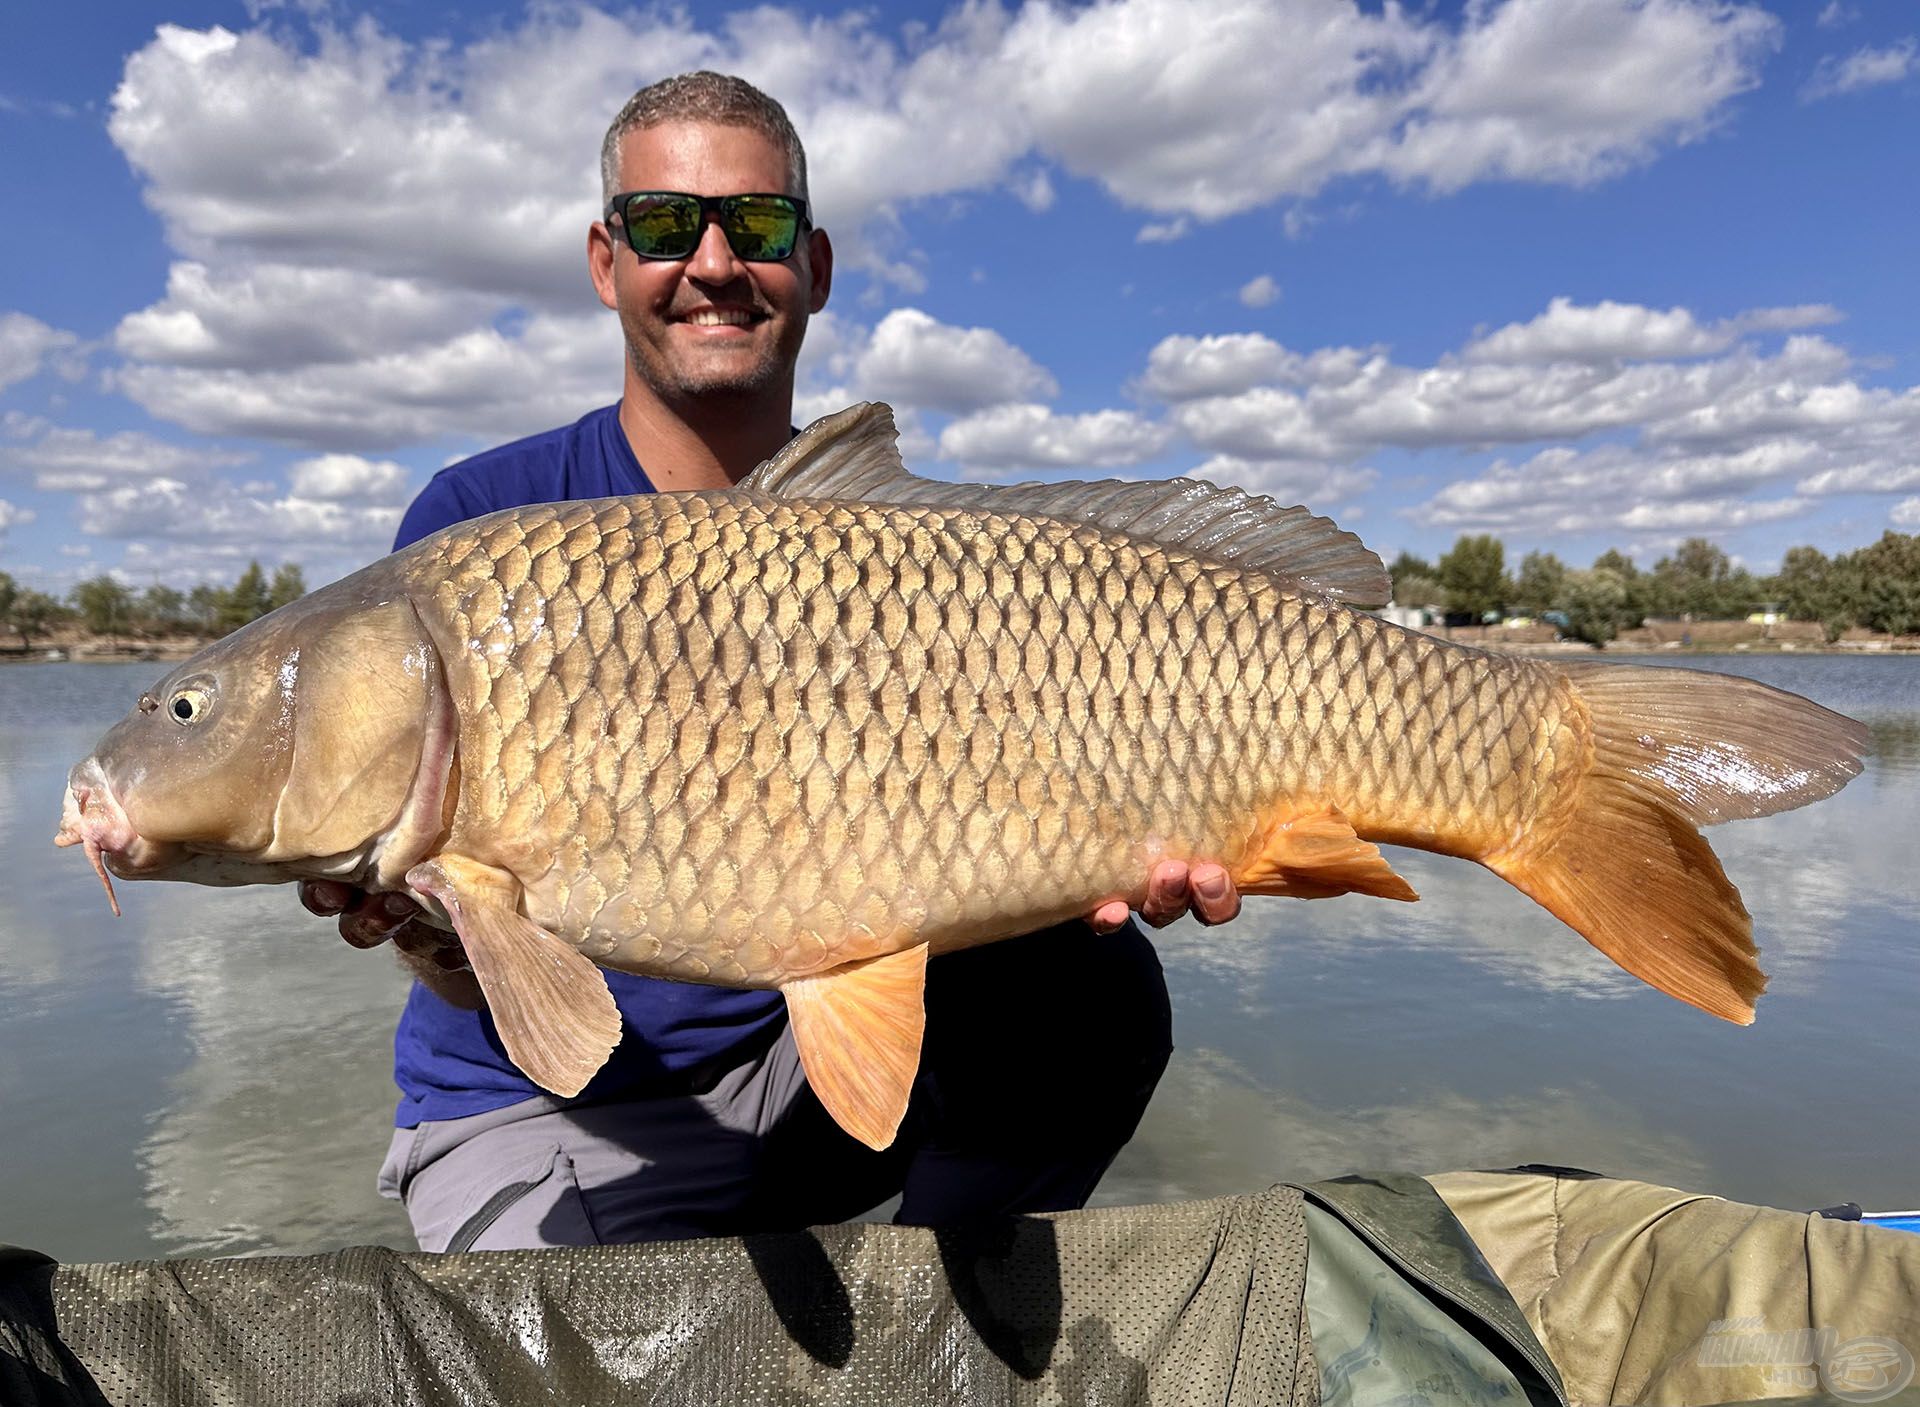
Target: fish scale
[{"x": 765, "y": 780}]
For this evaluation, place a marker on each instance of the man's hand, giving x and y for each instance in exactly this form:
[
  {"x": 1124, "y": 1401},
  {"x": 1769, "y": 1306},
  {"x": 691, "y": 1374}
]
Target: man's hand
[
  {"x": 1172, "y": 889},
  {"x": 430, "y": 954}
]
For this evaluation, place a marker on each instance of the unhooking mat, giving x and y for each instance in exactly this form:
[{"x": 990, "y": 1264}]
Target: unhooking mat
[{"x": 1356, "y": 1292}]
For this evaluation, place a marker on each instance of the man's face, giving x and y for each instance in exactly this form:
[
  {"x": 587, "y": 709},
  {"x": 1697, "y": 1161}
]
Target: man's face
[{"x": 710, "y": 324}]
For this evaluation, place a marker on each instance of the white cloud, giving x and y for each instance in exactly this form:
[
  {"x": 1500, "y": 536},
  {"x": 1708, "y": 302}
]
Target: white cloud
[
  {"x": 349, "y": 478},
  {"x": 1864, "y": 68},
  {"x": 1259, "y": 292},
  {"x": 1182, "y": 368},
  {"x": 485, "y": 383},
  {"x": 1905, "y": 513},
  {"x": 27, "y": 345},
  {"x": 1608, "y": 331},
  {"x": 1034, "y": 437},
  {"x": 59, "y": 458},
  {"x": 1163, "y": 231},
  {"x": 221, "y": 513},
  {"x": 1288, "y": 480},
  {"x": 13, "y": 516},
  {"x": 271, "y": 316},
  {"x": 914, "y": 358},
  {"x": 1571, "y": 91},
  {"x": 1834, "y": 13}
]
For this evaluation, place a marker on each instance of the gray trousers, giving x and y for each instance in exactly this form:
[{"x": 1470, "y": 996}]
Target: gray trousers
[{"x": 1040, "y": 1056}]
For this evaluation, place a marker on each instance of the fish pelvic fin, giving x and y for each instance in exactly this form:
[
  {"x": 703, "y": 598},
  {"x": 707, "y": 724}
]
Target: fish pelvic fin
[
  {"x": 1627, "y": 867},
  {"x": 549, "y": 1002},
  {"x": 858, "y": 1029},
  {"x": 1315, "y": 854}
]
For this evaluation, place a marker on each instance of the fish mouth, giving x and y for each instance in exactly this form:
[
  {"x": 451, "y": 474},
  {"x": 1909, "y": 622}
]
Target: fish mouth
[{"x": 93, "y": 818}]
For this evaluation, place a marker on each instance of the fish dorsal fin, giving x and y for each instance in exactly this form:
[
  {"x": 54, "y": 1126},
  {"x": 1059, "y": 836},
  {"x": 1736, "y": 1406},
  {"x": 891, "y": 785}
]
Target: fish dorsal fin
[
  {"x": 858, "y": 1031},
  {"x": 549, "y": 1002},
  {"x": 853, "y": 454}
]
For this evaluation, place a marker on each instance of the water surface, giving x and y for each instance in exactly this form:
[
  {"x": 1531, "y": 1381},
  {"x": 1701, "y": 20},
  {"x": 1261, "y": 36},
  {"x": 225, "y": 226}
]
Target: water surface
[{"x": 211, "y": 1073}]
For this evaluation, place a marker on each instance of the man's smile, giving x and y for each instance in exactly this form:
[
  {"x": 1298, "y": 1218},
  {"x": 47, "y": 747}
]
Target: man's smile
[{"x": 719, "y": 317}]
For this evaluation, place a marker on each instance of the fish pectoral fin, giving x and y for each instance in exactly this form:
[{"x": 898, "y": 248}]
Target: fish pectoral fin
[
  {"x": 858, "y": 1030},
  {"x": 1315, "y": 855},
  {"x": 549, "y": 1002}
]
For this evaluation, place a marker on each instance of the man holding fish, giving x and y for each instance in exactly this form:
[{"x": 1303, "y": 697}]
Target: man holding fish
[
  {"x": 701, "y": 1122},
  {"x": 832, "y": 732}
]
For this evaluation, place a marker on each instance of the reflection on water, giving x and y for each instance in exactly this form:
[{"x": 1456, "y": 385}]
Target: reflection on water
[{"x": 210, "y": 1074}]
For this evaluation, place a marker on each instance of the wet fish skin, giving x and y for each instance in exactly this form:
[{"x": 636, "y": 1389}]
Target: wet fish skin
[{"x": 772, "y": 737}]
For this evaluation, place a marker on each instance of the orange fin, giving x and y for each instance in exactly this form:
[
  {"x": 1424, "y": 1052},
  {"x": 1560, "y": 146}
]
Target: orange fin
[
  {"x": 858, "y": 1029},
  {"x": 1635, "y": 879},
  {"x": 550, "y": 1003},
  {"x": 1316, "y": 855}
]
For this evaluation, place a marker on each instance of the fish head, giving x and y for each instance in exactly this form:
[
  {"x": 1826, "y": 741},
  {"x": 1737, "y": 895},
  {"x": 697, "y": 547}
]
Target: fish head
[{"x": 291, "y": 747}]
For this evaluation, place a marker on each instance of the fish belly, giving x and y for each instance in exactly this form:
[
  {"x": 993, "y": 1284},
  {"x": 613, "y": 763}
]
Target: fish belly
[{"x": 729, "y": 740}]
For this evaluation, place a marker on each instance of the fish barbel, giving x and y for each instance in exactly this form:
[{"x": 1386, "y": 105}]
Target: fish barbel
[{"x": 804, "y": 733}]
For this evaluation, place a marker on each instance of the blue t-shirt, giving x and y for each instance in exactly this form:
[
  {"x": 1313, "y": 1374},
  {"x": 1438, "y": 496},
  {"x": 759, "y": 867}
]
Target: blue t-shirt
[{"x": 450, "y": 1063}]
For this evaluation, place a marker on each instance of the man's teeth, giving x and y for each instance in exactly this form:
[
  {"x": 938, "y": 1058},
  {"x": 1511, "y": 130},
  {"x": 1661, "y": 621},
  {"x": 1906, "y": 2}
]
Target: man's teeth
[{"x": 715, "y": 317}]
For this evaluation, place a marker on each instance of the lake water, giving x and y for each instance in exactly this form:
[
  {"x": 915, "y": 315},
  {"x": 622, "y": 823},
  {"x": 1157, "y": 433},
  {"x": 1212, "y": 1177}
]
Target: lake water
[{"x": 210, "y": 1074}]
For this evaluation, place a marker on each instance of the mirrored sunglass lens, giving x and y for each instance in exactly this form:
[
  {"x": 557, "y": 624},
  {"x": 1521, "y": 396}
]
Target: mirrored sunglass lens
[
  {"x": 663, "y": 224},
  {"x": 760, "y": 228}
]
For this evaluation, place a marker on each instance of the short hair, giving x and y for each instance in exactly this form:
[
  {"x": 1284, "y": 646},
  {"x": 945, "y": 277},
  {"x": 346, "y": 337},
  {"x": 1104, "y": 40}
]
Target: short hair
[{"x": 718, "y": 98}]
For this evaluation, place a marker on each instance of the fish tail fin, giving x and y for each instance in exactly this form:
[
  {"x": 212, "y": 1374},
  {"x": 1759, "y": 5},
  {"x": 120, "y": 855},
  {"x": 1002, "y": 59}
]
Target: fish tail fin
[{"x": 1671, "y": 751}]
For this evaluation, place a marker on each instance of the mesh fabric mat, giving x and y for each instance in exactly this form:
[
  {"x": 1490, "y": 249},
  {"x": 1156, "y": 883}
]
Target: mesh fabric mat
[{"x": 1182, "y": 1304}]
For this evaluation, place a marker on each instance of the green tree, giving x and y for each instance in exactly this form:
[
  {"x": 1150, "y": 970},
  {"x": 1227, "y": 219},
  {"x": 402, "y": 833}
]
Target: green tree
[
  {"x": 1413, "y": 589},
  {"x": 1699, "y": 580},
  {"x": 1542, "y": 578},
  {"x": 1887, "y": 579},
  {"x": 289, "y": 585},
  {"x": 162, "y": 610},
  {"x": 32, "y": 615},
  {"x": 1474, "y": 573},
  {"x": 246, "y": 600},
  {"x": 1596, "y": 604},
  {"x": 206, "y": 605},
  {"x": 104, "y": 604},
  {"x": 1802, "y": 584},
  {"x": 1636, "y": 582},
  {"x": 9, "y": 593}
]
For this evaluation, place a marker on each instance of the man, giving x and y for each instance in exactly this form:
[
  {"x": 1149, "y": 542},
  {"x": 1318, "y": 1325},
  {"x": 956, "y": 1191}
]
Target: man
[{"x": 1040, "y": 1052}]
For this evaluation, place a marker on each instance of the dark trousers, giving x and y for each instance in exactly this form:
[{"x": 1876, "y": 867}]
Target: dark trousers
[{"x": 1040, "y": 1056}]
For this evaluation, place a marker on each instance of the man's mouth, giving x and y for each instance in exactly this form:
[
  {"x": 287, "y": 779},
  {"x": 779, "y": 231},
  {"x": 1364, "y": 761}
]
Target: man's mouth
[{"x": 721, "y": 317}]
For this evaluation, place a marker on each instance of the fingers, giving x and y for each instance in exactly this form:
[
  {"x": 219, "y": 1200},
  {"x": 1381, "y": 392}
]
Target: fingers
[
  {"x": 1206, "y": 890},
  {"x": 374, "y": 918},
  {"x": 1215, "y": 899},
  {"x": 327, "y": 897},
  {"x": 1166, "y": 893}
]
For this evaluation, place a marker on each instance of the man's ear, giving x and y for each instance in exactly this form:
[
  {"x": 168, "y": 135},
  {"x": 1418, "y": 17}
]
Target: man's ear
[
  {"x": 600, "y": 255},
  {"x": 820, "y": 264}
]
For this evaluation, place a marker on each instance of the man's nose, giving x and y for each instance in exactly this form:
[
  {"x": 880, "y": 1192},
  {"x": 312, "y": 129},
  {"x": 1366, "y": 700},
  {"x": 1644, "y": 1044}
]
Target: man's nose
[{"x": 713, "y": 259}]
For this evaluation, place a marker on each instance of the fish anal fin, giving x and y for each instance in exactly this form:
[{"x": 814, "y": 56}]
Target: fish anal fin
[
  {"x": 549, "y": 1002},
  {"x": 858, "y": 1029},
  {"x": 1315, "y": 854}
]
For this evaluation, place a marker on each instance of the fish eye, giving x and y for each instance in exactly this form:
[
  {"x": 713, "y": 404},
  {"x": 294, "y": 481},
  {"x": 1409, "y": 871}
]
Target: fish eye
[{"x": 189, "y": 705}]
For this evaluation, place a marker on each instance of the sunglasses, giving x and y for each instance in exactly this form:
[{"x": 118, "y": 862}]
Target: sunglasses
[{"x": 669, "y": 225}]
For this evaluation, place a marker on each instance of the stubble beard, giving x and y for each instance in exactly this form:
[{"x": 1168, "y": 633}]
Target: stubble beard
[{"x": 680, "y": 382}]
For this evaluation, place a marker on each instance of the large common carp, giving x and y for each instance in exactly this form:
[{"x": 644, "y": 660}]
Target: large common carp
[{"x": 804, "y": 733}]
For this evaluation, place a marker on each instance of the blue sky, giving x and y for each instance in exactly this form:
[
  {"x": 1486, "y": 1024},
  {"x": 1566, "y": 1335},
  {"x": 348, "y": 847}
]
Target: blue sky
[{"x": 1581, "y": 273}]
